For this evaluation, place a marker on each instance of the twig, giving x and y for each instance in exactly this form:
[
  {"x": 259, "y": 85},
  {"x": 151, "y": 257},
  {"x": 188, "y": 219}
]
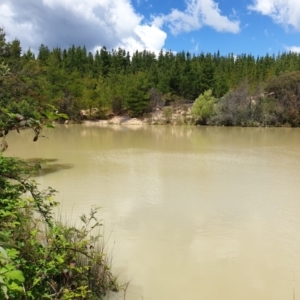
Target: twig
[{"x": 125, "y": 289}]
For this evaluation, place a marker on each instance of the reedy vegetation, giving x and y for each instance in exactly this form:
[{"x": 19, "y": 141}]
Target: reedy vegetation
[{"x": 248, "y": 90}]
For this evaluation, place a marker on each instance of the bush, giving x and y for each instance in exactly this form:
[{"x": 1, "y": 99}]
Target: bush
[
  {"x": 40, "y": 257},
  {"x": 203, "y": 107},
  {"x": 285, "y": 89},
  {"x": 47, "y": 258},
  {"x": 234, "y": 108}
]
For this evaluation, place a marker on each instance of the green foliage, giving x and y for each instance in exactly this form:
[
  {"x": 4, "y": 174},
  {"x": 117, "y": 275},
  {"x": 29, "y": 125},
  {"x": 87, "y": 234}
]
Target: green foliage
[
  {"x": 113, "y": 82},
  {"x": 285, "y": 89},
  {"x": 4, "y": 70},
  {"x": 11, "y": 278},
  {"x": 137, "y": 95},
  {"x": 234, "y": 108},
  {"x": 43, "y": 258},
  {"x": 203, "y": 107}
]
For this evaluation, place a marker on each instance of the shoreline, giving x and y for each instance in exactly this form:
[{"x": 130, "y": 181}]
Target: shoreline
[
  {"x": 118, "y": 120},
  {"x": 168, "y": 116}
]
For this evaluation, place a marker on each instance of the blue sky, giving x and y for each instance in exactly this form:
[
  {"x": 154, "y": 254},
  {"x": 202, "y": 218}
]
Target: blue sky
[{"x": 246, "y": 26}]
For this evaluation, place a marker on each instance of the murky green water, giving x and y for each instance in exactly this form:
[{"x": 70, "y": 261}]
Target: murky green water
[{"x": 193, "y": 212}]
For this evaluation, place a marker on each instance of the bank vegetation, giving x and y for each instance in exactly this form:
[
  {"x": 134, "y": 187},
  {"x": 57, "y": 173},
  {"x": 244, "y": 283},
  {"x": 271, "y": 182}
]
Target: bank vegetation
[{"x": 244, "y": 90}]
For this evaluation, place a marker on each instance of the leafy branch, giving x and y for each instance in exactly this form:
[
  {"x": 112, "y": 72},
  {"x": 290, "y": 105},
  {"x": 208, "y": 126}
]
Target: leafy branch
[{"x": 10, "y": 121}]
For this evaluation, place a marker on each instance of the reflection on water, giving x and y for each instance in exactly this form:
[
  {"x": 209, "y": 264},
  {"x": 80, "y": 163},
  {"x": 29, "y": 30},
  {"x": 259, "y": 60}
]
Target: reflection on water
[
  {"x": 47, "y": 165},
  {"x": 193, "y": 212}
]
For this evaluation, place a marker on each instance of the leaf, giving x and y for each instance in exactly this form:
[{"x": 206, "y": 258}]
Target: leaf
[
  {"x": 15, "y": 275},
  {"x": 35, "y": 121},
  {"x": 49, "y": 115},
  {"x": 3, "y": 288},
  {"x": 4, "y": 237},
  {"x": 11, "y": 115},
  {"x": 36, "y": 138},
  {"x": 29, "y": 122},
  {"x": 64, "y": 116},
  {"x": 19, "y": 117},
  {"x": 12, "y": 253},
  {"x": 22, "y": 123},
  {"x": 3, "y": 252},
  {"x": 4, "y": 110}
]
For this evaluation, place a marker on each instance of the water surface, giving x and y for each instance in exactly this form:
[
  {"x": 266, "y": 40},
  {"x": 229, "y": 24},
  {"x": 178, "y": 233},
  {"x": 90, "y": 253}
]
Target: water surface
[{"x": 193, "y": 212}]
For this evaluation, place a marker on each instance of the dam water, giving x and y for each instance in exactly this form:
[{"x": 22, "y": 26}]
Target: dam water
[{"x": 189, "y": 212}]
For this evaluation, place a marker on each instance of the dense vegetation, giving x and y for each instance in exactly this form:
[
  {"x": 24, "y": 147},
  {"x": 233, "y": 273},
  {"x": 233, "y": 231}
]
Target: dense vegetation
[
  {"x": 40, "y": 256},
  {"x": 248, "y": 90}
]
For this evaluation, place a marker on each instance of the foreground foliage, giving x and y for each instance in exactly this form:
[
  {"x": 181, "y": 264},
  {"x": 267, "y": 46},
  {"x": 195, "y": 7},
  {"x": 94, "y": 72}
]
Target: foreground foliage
[{"x": 40, "y": 257}]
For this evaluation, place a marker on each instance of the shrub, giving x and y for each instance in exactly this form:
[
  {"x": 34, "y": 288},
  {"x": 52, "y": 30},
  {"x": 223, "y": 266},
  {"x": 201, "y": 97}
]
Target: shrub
[
  {"x": 235, "y": 107},
  {"x": 286, "y": 91},
  {"x": 203, "y": 107},
  {"x": 48, "y": 259},
  {"x": 40, "y": 257}
]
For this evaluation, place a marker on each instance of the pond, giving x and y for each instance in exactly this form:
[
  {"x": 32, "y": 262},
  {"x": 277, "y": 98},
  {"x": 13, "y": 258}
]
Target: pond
[{"x": 189, "y": 212}]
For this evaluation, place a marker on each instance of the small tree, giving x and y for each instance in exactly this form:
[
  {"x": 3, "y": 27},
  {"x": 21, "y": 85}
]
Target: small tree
[{"x": 203, "y": 107}]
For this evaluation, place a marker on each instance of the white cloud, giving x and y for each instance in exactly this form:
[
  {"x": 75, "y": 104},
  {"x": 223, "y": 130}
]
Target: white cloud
[
  {"x": 284, "y": 12},
  {"x": 110, "y": 23},
  {"x": 293, "y": 48},
  {"x": 151, "y": 36},
  {"x": 94, "y": 23},
  {"x": 197, "y": 14},
  {"x": 14, "y": 30}
]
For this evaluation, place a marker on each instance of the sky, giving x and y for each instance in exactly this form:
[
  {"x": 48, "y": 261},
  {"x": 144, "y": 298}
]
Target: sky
[{"x": 236, "y": 27}]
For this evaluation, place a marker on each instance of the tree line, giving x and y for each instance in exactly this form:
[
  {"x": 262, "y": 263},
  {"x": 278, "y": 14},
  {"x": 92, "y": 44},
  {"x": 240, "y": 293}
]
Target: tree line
[{"x": 117, "y": 82}]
